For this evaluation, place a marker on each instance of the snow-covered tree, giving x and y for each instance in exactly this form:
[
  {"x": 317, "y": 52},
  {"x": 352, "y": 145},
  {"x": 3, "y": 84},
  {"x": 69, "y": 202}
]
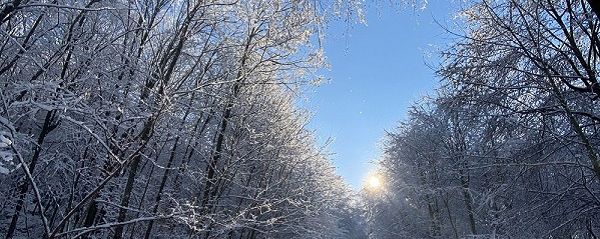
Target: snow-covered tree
[{"x": 162, "y": 118}]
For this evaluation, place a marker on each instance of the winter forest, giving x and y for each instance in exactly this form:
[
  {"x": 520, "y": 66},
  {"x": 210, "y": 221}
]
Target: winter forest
[{"x": 179, "y": 119}]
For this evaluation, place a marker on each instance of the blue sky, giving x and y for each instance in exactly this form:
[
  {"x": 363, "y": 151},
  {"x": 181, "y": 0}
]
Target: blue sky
[{"x": 376, "y": 71}]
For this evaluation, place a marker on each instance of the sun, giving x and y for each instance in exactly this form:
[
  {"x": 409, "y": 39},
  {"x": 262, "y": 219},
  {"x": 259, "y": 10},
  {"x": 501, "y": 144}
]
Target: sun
[{"x": 374, "y": 182}]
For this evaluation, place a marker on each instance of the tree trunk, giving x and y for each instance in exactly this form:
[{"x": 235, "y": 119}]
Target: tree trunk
[
  {"x": 145, "y": 136},
  {"x": 48, "y": 126},
  {"x": 454, "y": 230},
  {"x": 468, "y": 199},
  {"x": 163, "y": 182}
]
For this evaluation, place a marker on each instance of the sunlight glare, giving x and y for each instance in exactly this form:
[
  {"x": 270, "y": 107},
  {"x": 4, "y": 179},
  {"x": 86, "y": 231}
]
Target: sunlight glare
[{"x": 374, "y": 182}]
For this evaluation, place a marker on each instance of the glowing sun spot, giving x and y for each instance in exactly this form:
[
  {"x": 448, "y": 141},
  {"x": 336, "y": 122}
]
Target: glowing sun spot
[{"x": 374, "y": 182}]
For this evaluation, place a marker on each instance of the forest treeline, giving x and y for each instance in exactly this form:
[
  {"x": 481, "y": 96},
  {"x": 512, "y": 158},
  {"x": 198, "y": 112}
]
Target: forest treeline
[
  {"x": 163, "y": 119},
  {"x": 508, "y": 147}
]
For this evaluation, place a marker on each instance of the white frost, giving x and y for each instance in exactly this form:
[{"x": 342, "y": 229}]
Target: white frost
[
  {"x": 4, "y": 141},
  {"x": 4, "y": 170}
]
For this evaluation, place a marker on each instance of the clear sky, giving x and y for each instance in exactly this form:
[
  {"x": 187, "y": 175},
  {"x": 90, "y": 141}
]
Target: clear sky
[{"x": 376, "y": 71}]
